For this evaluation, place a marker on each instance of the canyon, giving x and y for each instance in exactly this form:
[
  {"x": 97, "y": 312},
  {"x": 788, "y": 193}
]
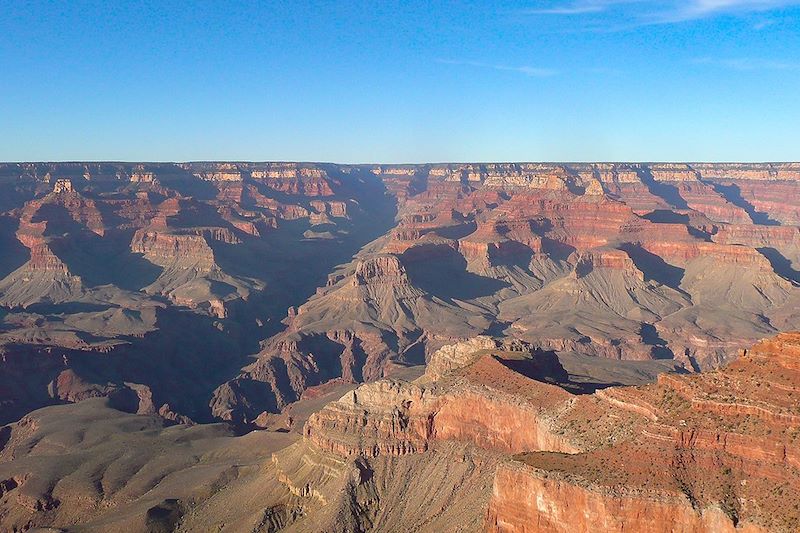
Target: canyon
[
  {"x": 486, "y": 441},
  {"x": 498, "y": 346}
]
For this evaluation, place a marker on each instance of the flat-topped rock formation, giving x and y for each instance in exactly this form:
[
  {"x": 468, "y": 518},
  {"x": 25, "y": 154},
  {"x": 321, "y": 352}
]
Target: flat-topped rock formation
[{"x": 719, "y": 452}]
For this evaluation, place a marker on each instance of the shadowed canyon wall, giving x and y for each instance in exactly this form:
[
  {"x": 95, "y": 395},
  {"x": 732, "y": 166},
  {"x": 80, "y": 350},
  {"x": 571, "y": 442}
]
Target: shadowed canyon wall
[{"x": 225, "y": 290}]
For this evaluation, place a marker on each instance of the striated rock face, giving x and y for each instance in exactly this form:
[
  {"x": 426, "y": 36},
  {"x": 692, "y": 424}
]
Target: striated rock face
[
  {"x": 190, "y": 270},
  {"x": 704, "y": 199},
  {"x": 384, "y": 269},
  {"x": 606, "y": 259},
  {"x": 497, "y": 441},
  {"x": 382, "y": 418},
  {"x": 387, "y": 418},
  {"x": 718, "y": 453},
  {"x": 609, "y": 260},
  {"x": 710, "y": 452},
  {"x": 525, "y": 502},
  {"x": 152, "y": 270},
  {"x": 164, "y": 249},
  {"x": 487, "y": 405},
  {"x": 45, "y": 276},
  {"x": 292, "y": 178},
  {"x": 750, "y": 171},
  {"x": 459, "y": 355}
]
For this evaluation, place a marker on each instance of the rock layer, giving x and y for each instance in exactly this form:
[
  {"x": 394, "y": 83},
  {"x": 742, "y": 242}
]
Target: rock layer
[
  {"x": 718, "y": 454},
  {"x": 381, "y": 265}
]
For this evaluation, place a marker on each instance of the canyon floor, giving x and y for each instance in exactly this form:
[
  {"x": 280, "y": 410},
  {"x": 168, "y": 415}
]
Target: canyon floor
[{"x": 456, "y": 347}]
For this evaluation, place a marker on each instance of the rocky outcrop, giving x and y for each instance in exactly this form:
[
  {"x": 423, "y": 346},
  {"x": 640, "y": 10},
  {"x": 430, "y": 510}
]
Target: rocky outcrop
[
  {"x": 130, "y": 397},
  {"x": 488, "y": 405},
  {"x": 166, "y": 249},
  {"x": 390, "y": 418},
  {"x": 292, "y": 178},
  {"x": 525, "y": 501},
  {"x": 383, "y": 269},
  {"x": 587, "y": 262},
  {"x": 45, "y": 276},
  {"x": 456, "y": 356},
  {"x": 382, "y": 418},
  {"x": 712, "y": 455}
]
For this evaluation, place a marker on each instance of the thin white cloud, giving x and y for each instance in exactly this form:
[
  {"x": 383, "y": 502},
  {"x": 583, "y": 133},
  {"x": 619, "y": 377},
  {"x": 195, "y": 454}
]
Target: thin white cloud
[
  {"x": 747, "y": 63},
  {"x": 650, "y": 12},
  {"x": 760, "y": 25},
  {"x": 567, "y": 10},
  {"x": 580, "y": 7},
  {"x": 700, "y": 9},
  {"x": 537, "y": 72}
]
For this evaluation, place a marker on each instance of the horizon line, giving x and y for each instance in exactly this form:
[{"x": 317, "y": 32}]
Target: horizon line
[{"x": 485, "y": 162}]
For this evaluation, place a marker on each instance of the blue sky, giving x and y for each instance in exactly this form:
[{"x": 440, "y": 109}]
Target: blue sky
[{"x": 382, "y": 81}]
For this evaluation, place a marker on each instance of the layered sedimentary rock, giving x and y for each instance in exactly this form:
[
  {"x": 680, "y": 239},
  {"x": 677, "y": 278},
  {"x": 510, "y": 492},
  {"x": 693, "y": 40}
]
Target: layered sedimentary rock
[
  {"x": 379, "y": 266},
  {"x": 122, "y": 260},
  {"x": 472, "y": 395},
  {"x": 455, "y": 356},
  {"x": 718, "y": 453},
  {"x": 491, "y": 438},
  {"x": 512, "y": 510},
  {"x": 190, "y": 269},
  {"x": 610, "y": 259},
  {"x": 709, "y": 452},
  {"x": 526, "y": 288},
  {"x": 45, "y": 276}
]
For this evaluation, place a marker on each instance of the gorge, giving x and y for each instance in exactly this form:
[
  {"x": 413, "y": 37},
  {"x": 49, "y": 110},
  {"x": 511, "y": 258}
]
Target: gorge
[{"x": 493, "y": 346}]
